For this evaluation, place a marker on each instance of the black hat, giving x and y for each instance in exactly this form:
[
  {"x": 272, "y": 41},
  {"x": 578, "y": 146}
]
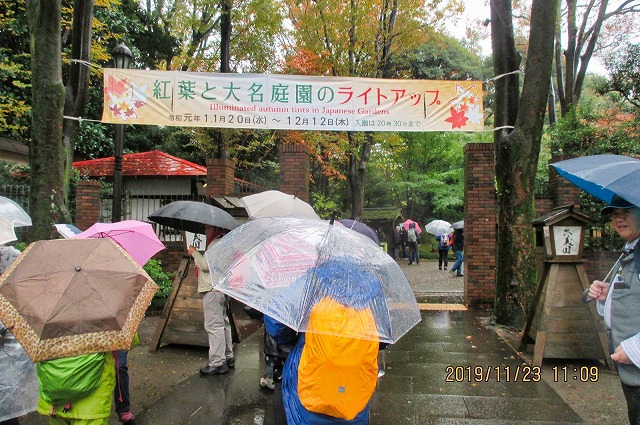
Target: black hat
[{"x": 616, "y": 203}]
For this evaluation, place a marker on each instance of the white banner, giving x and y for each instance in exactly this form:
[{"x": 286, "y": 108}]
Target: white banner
[{"x": 290, "y": 102}]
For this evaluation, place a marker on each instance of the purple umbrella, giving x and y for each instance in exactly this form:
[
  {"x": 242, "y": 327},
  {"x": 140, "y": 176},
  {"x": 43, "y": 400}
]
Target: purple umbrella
[{"x": 360, "y": 227}]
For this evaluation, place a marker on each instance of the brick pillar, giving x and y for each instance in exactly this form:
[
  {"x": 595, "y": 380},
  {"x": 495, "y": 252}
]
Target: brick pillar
[
  {"x": 220, "y": 176},
  {"x": 87, "y": 203},
  {"x": 561, "y": 191},
  {"x": 294, "y": 170},
  {"x": 480, "y": 210}
]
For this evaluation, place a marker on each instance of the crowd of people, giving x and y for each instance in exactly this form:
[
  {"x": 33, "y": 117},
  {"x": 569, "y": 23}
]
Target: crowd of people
[{"x": 299, "y": 364}]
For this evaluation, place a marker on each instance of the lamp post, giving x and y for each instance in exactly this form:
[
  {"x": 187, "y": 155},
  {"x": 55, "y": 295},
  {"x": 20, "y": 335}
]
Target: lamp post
[{"x": 121, "y": 59}]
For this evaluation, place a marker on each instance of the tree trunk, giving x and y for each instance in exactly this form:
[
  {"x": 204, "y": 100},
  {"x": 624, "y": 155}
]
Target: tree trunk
[
  {"x": 46, "y": 156},
  {"x": 357, "y": 169},
  {"x": 517, "y": 151},
  {"x": 76, "y": 89}
]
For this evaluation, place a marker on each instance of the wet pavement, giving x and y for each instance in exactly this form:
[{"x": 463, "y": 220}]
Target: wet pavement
[{"x": 448, "y": 369}]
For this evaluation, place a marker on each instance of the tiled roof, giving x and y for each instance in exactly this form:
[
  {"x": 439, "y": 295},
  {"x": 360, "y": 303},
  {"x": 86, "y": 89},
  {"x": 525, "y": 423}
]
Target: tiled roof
[
  {"x": 153, "y": 163},
  {"x": 390, "y": 213}
]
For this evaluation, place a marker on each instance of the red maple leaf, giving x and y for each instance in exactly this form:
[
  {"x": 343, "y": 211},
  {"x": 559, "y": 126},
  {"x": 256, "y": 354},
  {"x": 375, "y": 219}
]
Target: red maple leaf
[
  {"x": 457, "y": 119},
  {"x": 115, "y": 86},
  {"x": 115, "y": 109}
]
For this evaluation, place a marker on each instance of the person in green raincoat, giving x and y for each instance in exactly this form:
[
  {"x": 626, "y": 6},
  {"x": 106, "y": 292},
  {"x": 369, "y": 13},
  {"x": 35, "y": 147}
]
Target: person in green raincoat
[
  {"x": 93, "y": 409},
  {"x": 78, "y": 390}
]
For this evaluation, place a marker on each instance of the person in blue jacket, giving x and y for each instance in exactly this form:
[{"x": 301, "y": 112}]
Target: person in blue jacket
[{"x": 322, "y": 371}]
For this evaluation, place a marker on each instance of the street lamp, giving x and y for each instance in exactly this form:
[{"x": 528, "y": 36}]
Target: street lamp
[{"x": 121, "y": 59}]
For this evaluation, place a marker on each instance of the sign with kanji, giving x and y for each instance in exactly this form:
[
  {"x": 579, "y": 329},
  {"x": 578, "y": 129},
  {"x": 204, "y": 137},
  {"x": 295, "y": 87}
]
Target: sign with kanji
[{"x": 290, "y": 102}]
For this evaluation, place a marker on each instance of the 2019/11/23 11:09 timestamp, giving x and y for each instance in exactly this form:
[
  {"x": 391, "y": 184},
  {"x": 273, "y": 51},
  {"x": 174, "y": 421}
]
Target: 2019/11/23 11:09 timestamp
[{"x": 578, "y": 374}]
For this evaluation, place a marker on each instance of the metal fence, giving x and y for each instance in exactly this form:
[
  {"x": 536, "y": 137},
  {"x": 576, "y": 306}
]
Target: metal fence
[{"x": 140, "y": 206}]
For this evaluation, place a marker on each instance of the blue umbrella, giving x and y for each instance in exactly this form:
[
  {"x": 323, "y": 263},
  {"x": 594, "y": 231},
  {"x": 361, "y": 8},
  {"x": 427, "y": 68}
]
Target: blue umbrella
[{"x": 607, "y": 177}]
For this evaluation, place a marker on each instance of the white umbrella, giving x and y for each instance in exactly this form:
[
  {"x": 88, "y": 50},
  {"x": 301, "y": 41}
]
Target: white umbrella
[
  {"x": 273, "y": 203},
  {"x": 438, "y": 226},
  {"x": 14, "y": 212},
  {"x": 458, "y": 225},
  {"x": 7, "y": 233}
]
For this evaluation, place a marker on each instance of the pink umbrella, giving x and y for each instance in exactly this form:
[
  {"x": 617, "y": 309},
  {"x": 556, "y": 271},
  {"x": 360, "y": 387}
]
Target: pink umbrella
[
  {"x": 136, "y": 237},
  {"x": 408, "y": 222}
]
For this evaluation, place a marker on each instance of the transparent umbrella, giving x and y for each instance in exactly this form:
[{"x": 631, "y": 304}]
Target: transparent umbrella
[{"x": 283, "y": 266}]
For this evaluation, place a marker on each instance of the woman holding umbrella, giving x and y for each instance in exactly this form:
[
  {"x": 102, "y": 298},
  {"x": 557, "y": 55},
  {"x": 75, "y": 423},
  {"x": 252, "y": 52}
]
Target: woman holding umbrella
[{"x": 618, "y": 303}]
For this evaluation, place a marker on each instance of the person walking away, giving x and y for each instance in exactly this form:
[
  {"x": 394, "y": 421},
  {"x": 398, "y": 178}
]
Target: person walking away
[
  {"x": 397, "y": 242},
  {"x": 404, "y": 242},
  {"x": 215, "y": 306},
  {"x": 458, "y": 247},
  {"x": 618, "y": 301},
  {"x": 443, "y": 250},
  {"x": 321, "y": 361},
  {"x": 414, "y": 244}
]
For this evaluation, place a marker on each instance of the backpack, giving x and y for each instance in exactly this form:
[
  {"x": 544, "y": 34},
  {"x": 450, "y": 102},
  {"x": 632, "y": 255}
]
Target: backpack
[
  {"x": 68, "y": 379},
  {"x": 337, "y": 375},
  {"x": 412, "y": 235},
  {"x": 444, "y": 240}
]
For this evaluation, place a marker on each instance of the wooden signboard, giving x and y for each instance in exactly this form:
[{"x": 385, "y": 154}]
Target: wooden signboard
[
  {"x": 183, "y": 316},
  {"x": 560, "y": 324}
]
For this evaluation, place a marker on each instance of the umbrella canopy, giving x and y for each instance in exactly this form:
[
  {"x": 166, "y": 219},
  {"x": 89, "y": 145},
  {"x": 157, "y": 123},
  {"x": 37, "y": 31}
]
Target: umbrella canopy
[
  {"x": 273, "y": 203},
  {"x": 407, "y": 223},
  {"x": 135, "y": 237},
  {"x": 360, "y": 227},
  {"x": 67, "y": 230},
  {"x": 68, "y": 297},
  {"x": 604, "y": 176},
  {"x": 282, "y": 266},
  {"x": 458, "y": 225},
  {"x": 192, "y": 216},
  {"x": 438, "y": 227},
  {"x": 7, "y": 233},
  {"x": 14, "y": 212}
]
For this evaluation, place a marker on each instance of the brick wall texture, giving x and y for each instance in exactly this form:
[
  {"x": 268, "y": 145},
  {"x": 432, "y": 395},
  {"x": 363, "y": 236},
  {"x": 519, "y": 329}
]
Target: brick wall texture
[
  {"x": 220, "y": 174},
  {"x": 479, "y": 225},
  {"x": 87, "y": 203},
  {"x": 294, "y": 170}
]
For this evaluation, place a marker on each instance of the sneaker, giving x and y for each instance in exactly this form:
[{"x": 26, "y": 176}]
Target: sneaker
[
  {"x": 231, "y": 362},
  {"x": 459, "y": 275},
  {"x": 267, "y": 382},
  {"x": 126, "y": 417},
  {"x": 440, "y": 268},
  {"x": 445, "y": 267},
  {"x": 218, "y": 370}
]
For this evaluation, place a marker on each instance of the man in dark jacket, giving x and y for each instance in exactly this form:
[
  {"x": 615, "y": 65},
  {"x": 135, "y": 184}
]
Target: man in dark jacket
[{"x": 458, "y": 246}]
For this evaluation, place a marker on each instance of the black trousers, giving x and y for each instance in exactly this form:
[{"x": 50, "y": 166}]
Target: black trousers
[
  {"x": 278, "y": 405},
  {"x": 632, "y": 394}
]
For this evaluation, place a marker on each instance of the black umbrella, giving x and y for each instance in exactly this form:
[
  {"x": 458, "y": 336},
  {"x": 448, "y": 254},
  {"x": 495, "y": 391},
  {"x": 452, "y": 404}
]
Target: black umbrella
[{"x": 192, "y": 216}]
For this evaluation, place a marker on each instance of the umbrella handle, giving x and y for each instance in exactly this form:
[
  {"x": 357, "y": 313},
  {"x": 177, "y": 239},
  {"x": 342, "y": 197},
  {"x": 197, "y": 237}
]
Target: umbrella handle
[
  {"x": 585, "y": 294},
  {"x": 185, "y": 272}
]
